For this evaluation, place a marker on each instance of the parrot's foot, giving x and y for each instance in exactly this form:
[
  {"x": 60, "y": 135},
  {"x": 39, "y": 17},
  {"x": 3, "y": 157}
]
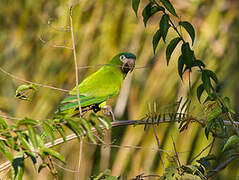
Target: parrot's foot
[{"x": 107, "y": 110}]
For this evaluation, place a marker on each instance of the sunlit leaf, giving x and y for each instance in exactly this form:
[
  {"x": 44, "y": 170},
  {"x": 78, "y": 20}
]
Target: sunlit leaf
[
  {"x": 232, "y": 141},
  {"x": 164, "y": 26},
  {"x": 32, "y": 135},
  {"x": 27, "y": 121},
  {"x": 105, "y": 122},
  {"x": 214, "y": 113},
  {"x": 3, "y": 124},
  {"x": 42, "y": 166},
  {"x": 5, "y": 152},
  {"x": 135, "y": 6},
  {"x": 49, "y": 130},
  {"x": 156, "y": 38},
  {"x": 170, "y": 48},
  {"x": 75, "y": 127},
  {"x": 227, "y": 103},
  {"x": 189, "y": 28},
  {"x": 167, "y": 4},
  {"x": 52, "y": 153},
  {"x": 87, "y": 127}
]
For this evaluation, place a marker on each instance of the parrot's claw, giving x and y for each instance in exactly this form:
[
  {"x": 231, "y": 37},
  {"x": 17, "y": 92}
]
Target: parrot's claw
[{"x": 107, "y": 110}]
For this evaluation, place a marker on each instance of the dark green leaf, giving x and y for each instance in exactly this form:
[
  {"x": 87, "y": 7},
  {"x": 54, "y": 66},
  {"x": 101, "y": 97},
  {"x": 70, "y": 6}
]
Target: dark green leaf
[
  {"x": 52, "y": 153},
  {"x": 180, "y": 66},
  {"x": 18, "y": 166},
  {"x": 211, "y": 74},
  {"x": 169, "y": 7},
  {"x": 206, "y": 82},
  {"x": 156, "y": 38},
  {"x": 149, "y": 11},
  {"x": 170, "y": 48},
  {"x": 187, "y": 55},
  {"x": 164, "y": 26},
  {"x": 200, "y": 90},
  {"x": 198, "y": 63},
  {"x": 135, "y": 6},
  {"x": 232, "y": 141},
  {"x": 227, "y": 103},
  {"x": 43, "y": 165},
  {"x": 189, "y": 28},
  {"x": 97, "y": 127}
]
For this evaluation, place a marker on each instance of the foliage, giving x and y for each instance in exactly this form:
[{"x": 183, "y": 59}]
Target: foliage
[{"x": 23, "y": 138}]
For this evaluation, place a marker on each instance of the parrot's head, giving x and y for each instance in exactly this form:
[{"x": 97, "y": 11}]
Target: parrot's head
[{"x": 125, "y": 60}]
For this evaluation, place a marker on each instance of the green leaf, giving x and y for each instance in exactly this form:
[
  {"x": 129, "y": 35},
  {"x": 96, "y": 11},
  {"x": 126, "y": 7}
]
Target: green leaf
[
  {"x": 164, "y": 26},
  {"x": 169, "y": 7},
  {"x": 170, "y": 48},
  {"x": 206, "y": 82},
  {"x": 18, "y": 166},
  {"x": 49, "y": 130},
  {"x": 87, "y": 127},
  {"x": 105, "y": 122},
  {"x": 75, "y": 127},
  {"x": 214, "y": 113},
  {"x": 189, "y": 28},
  {"x": 135, "y": 6},
  {"x": 27, "y": 121},
  {"x": 43, "y": 165},
  {"x": 156, "y": 38},
  {"x": 187, "y": 55},
  {"x": 32, "y": 136},
  {"x": 52, "y": 153},
  {"x": 3, "y": 124},
  {"x": 227, "y": 103},
  {"x": 61, "y": 131},
  {"x": 180, "y": 66},
  {"x": 5, "y": 151},
  {"x": 149, "y": 11},
  {"x": 198, "y": 63},
  {"x": 200, "y": 90},
  {"x": 24, "y": 141},
  {"x": 211, "y": 74},
  {"x": 232, "y": 141},
  {"x": 97, "y": 127}
]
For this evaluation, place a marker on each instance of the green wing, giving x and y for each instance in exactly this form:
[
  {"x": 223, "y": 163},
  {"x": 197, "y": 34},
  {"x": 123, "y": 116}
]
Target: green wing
[{"x": 95, "y": 89}]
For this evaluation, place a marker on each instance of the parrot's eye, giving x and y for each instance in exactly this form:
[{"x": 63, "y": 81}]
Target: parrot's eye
[{"x": 122, "y": 57}]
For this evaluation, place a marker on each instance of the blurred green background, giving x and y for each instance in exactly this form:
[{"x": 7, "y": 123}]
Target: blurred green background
[{"x": 102, "y": 29}]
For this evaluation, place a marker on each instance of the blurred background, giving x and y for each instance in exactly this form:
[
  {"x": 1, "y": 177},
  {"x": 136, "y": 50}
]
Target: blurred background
[{"x": 29, "y": 30}]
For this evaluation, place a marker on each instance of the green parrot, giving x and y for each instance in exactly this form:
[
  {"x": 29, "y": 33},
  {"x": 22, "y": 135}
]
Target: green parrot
[{"x": 95, "y": 89}]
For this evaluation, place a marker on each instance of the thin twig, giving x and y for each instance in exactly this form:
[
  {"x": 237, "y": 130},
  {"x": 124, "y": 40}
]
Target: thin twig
[
  {"x": 75, "y": 61},
  {"x": 80, "y": 154},
  {"x": 201, "y": 152},
  {"x": 213, "y": 142},
  {"x": 157, "y": 139},
  {"x": 222, "y": 165},
  {"x": 176, "y": 153},
  {"x": 55, "y": 46},
  {"x": 30, "y": 82}
]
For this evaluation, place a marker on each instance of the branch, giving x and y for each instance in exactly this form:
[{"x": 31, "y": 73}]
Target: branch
[
  {"x": 75, "y": 61},
  {"x": 222, "y": 165}
]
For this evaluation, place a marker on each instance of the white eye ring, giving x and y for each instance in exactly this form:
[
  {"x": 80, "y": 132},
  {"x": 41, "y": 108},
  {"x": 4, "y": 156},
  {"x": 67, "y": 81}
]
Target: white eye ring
[{"x": 122, "y": 57}]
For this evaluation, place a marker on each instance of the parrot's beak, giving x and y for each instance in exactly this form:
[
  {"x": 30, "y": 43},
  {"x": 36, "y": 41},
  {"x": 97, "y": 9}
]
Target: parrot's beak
[{"x": 128, "y": 65}]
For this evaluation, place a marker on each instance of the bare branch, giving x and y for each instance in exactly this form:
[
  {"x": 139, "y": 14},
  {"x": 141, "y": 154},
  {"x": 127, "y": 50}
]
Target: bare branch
[
  {"x": 176, "y": 153},
  {"x": 75, "y": 61}
]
